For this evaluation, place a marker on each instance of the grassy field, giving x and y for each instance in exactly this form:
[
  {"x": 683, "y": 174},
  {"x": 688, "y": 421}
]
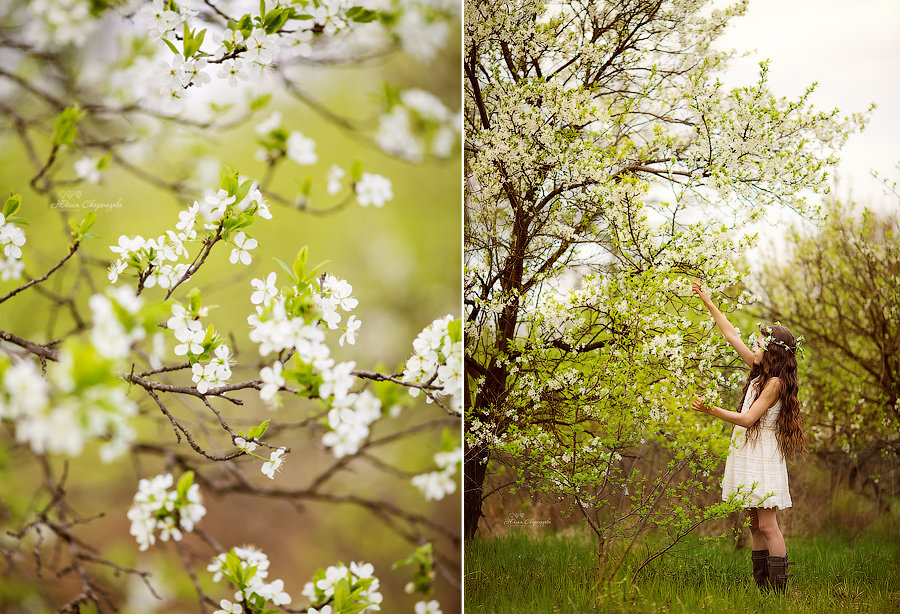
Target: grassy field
[{"x": 549, "y": 572}]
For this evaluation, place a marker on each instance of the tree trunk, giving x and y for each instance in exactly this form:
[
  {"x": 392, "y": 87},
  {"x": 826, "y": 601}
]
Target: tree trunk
[{"x": 473, "y": 489}]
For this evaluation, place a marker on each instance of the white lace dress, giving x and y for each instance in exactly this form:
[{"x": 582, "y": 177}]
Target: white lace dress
[{"x": 757, "y": 468}]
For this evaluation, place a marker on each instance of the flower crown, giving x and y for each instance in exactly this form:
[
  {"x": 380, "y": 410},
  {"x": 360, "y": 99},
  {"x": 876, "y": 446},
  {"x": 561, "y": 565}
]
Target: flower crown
[{"x": 770, "y": 338}]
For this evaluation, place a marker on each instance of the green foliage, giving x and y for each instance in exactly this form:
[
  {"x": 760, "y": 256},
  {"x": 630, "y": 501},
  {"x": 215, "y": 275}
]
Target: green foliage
[
  {"x": 80, "y": 230},
  {"x": 361, "y": 14},
  {"x": 423, "y": 560},
  {"x": 65, "y": 129}
]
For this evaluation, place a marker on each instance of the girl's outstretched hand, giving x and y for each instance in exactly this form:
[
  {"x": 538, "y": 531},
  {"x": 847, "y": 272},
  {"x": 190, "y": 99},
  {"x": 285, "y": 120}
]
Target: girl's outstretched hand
[
  {"x": 698, "y": 290},
  {"x": 698, "y": 405}
]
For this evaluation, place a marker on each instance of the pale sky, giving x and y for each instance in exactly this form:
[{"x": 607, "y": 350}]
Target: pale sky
[{"x": 852, "y": 49}]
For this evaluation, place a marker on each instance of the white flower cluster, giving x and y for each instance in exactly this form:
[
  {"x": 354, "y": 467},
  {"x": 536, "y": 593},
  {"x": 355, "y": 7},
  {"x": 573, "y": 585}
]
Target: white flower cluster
[
  {"x": 160, "y": 256},
  {"x": 428, "y": 607},
  {"x": 270, "y": 466},
  {"x": 241, "y": 559},
  {"x": 438, "y": 484},
  {"x": 156, "y": 508},
  {"x": 197, "y": 343},
  {"x": 117, "y": 322},
  {"x": 358, "y": 576},
  {"x": 418, "y": 123},
  {"x": 438, "y": 360},
  {"x": 12, "y": 238},
  {"x": 349, "y": 420},
  {"x": 88, "y": 168},
  {"x": 59, "y": 414},
  {"x": 275, "y": 141},
  {"x": 157, "y": 261},
  {"x": 373, "y": 190},
  {"x": 62, "y": 21}
]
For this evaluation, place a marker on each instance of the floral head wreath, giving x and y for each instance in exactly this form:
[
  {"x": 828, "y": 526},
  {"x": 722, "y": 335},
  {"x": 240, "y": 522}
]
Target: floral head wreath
[{"x": 770, "y": 338}]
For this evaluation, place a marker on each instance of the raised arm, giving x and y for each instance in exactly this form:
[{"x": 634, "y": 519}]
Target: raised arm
[
  {"x": 763, "y": 402},
  {"x": 728, "y": 330}
]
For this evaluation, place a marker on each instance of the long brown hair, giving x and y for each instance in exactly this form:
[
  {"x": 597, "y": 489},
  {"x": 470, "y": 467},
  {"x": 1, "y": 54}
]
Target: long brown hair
[{"x": 779, "y": 360}]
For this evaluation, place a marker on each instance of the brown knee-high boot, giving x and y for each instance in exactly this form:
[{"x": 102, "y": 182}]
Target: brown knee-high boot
[
  {"x": 760, "y": 568},
  {"x": 778, "y": 572}
]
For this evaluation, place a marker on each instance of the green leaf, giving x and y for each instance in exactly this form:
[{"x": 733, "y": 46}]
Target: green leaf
[
  {"x": 65, "y": 130},
  {"x": 454, "y": 329},
  {"x": 258, "y": 431},
  {"x": 12, "y": 205},
  {"x": 194, "y": 299},
  {"x": 229, "y": 179},
  {"x": 184, "y": 484},
  {"x": 287, "y": 270},
  {"x": 315, "y": 272},
  {"x": 260, "y": 101},
  {"x": 356, "y": 171},
  {"x": 299, "y": 266},
  {"x": 170, "y": 46},
  {"x": 361, "y": 14},
  {"x": 342, "y": 595}
]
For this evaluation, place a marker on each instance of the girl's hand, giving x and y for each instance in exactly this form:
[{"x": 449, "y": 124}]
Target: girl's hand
[
  {"x": 698, "y": 405},
  {"x": 698, "y": 290}
]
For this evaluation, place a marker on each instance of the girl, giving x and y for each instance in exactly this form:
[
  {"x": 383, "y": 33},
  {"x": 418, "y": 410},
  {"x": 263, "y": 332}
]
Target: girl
[{"x": 767, "y": 430}]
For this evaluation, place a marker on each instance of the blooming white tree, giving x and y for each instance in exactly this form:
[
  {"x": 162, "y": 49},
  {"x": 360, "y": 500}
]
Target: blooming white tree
[
  {"x": 607, "y": 166},
  {"x": 145, "y": 362}
]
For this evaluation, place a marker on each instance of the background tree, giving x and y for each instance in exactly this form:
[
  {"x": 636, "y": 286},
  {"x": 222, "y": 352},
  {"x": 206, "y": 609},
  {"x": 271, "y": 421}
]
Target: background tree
[
  {"x": 187, "y": 390},
  {"x": 605, "y": 164},
  {"x": 839, "y": 286}
]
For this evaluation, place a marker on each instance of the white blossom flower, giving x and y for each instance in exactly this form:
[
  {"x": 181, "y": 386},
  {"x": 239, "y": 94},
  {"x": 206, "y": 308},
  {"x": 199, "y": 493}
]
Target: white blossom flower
[
  {"x": 373, "y": 190},
  {"x": 261, "y": 47},
  {"x": 242, "y": 248},
  {"x": 232, "y": 70},
  {"x": 87, "y": 168},
  {"x": 273, "y": 464},
  {"x": 431, "y": 607},
  {"x": 272, "y": 381},
  {"x": 350, "y": 334},
  {"x": 244, "y": 445},
  {"x": 269, "y": 125},
  {"x": 191, "y": 334},
  {"x": 204, "y": 376},
  {"x": 229, "y": 608},
  {"x": 11, "y": 268},
  {"x": 301, "y": 149},
  {"x": 337, "y": 381},
  {"x": 265, "y": 290},
  {"x": 435, "y": 485},
  {"x": 161, "y": 20},
  {"x": 335, "y": 175},
  {"x": 12, "y": 238},
  {"x": 194, "y": 73}
]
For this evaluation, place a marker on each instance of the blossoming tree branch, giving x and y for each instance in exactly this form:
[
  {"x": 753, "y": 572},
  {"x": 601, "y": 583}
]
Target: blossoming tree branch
[
  {"x": 146, "y": 353},
  {"x": 608, "y": 166}
]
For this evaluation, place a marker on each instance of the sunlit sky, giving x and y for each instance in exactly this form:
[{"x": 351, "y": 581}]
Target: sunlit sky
[{"x": 852, "y": 50}]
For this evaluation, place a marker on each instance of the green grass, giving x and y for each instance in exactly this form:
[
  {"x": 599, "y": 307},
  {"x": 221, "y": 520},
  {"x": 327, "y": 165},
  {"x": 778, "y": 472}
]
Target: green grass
[{"x": 556, "y": 573}]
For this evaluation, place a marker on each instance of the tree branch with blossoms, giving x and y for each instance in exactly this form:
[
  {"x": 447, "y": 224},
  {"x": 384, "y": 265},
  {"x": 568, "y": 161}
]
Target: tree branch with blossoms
[{"x": 147, "y": 375}]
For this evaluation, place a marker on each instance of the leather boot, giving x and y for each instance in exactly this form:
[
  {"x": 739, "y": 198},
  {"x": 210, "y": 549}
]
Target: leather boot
[
  {"x": 778, "y": 572},
  {"x": 761, "y": 568}
]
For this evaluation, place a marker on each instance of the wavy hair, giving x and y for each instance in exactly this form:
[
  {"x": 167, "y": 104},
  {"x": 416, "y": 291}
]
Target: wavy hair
[{"x": 779, "y": 360}]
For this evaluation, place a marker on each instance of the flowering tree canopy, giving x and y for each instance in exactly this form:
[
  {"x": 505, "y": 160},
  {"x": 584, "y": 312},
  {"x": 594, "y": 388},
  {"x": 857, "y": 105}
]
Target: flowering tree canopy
[
  {"x": 840, "y": 288},
  {"x": 272, "y": 402},
  {"x": 606, "y": 167}
]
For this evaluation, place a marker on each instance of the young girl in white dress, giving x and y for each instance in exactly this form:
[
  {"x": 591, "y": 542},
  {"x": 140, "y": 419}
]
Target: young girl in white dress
[{"x": 767, "y": 431}]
